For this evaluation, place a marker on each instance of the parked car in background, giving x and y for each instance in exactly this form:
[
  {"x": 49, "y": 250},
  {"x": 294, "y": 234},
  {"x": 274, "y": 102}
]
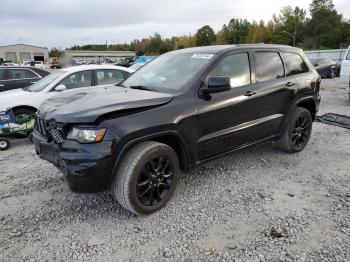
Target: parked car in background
[
  {"x": 27, "y": 100},
  {"x": 18, "y": 77},
  {"x": 325, "y": 66},
  {"x": 124, "y": 62},
  {"x": 345, "y": 70},
  {"x": 141, "y": 61},
  {"x": 9, "y": 64},
  {"x": 37, "y": 64},
  {"x": 55, "y": 63},
  {"x": 2, "y": 62},
  {"x": 182, "y": 109},
  {"x": 337, "y": 69}
]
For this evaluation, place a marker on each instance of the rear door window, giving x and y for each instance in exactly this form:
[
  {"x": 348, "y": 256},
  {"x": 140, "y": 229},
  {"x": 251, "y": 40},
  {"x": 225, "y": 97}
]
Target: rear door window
[
  {"x": 236, "y": 67},
  {"x": 109, "y": 76},
  {"x": 269, "y": 66},
  {"x": 294, "y": 64},
  {"x": 16, "y": 74},
  {"x": 2, "y": 74},
  {"x": 77, "y": 80}
]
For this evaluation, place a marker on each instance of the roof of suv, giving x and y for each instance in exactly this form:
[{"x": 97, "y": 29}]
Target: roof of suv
[{"x": 218, "y": 48}]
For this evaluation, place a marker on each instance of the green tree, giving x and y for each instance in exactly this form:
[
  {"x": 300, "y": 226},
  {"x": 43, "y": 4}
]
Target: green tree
[
  {"x": 55, "y": 52},
  {"x": 205, "y": 36},
  {"x": 324, "y": 29},
  {"x": 290, "y": 25},
  {"x": 223, "y": 36},
  {"x": 155, "y": 43},
  {"x": 345, "y": 37},
  {"x": 318, "y": 5},
  {"x": 238, "y": 31}
]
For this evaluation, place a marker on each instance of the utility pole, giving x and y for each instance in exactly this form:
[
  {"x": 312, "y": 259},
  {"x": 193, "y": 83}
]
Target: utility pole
[{"x": 292, "y": 35}]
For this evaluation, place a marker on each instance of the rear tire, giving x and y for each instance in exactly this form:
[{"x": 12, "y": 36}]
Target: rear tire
[
  {"x": 146, "y": 177},
  {"x": 298, "y": 131}
]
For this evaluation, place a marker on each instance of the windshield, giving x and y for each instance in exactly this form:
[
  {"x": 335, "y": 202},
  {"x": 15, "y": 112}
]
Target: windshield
[
  {"x": 137, "y": 66},
  {"x": 44, "y": 82},
  {"x": 168, "y": 72}
]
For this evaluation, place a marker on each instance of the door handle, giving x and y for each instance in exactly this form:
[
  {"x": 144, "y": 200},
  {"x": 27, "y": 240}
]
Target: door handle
[
  {"x": 289, "y": 84},
  {"x": 1, "y": 85},
  {"x": 249, "y": 93}
]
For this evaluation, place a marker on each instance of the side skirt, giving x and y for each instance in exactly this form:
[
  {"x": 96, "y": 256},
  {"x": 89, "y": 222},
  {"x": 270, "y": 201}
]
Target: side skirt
[{"x": 270, "y": 138}]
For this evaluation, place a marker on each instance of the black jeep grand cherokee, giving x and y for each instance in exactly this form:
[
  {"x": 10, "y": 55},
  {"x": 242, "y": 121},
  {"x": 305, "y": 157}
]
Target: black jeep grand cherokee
[{"x": 181, "y": 109}]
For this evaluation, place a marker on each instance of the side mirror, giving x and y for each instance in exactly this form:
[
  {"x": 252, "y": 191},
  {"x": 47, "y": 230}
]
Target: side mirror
[
  {"x": 316, "y": 64},
  {"x": 60, "y": 88},
  {"x": 217, "y": 84}
]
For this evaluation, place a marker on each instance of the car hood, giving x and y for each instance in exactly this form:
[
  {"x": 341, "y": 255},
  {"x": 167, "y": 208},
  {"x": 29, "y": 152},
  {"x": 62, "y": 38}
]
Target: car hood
[
  {"x": 13, "y": 93},
  {"x": 88, "y": 105},
  {"x": 8, "y": 98}
]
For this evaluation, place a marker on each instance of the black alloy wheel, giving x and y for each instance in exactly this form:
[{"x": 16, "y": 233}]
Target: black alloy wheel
[
  {"x": 155, "y": 180},
  {"x": 301, "y": 131},
  {"x": 146, "y": 177},
  {"x": 297, "y": 132}
]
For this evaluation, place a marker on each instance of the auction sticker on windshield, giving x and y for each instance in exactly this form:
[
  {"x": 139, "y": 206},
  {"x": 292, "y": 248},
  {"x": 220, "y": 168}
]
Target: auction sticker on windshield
[{"x": 202, "y": 56}]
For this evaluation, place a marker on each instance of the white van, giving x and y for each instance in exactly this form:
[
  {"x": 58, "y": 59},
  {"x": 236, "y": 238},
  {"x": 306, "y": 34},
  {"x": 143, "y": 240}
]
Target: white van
[{"x": 345, "y": 67}]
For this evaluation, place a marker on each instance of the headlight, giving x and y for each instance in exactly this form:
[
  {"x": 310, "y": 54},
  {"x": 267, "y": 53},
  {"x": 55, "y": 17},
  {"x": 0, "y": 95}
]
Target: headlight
[{"x": 86, "y": 135}]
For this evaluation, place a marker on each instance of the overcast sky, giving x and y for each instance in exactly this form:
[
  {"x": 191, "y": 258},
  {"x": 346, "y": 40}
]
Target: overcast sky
[{"x": 63, "y": 23}]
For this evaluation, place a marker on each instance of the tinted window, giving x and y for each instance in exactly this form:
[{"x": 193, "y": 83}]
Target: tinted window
[
  {"x": 109, "y": 76},
  {"x": 294, "y": 64},
  {"x": 236, "y": 67},
  {"x": 269, "y": 66},
  {"x": 77, "y": 80},
  {"x": 348, "y": 55},
  {"x": 20, "y": 74},
  {"x": 2, "y": 74}
]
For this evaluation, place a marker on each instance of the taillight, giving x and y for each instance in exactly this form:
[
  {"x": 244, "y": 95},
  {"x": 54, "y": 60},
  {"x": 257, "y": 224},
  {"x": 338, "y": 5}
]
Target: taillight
[{"x": 318, "y": 84}]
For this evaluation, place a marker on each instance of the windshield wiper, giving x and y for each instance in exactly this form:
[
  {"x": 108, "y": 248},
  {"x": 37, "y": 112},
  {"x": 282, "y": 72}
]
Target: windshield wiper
[
  {"x": 120, "y": 84},
  {"x": 141, "y": 88}
]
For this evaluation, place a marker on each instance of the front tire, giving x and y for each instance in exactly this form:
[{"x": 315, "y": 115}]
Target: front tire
[
  {"x": 298, "y": 131},
  {"x": 23, "y": 112},
  {"x": 146, "y": 177},
  {"x": 4, "y": 144}
]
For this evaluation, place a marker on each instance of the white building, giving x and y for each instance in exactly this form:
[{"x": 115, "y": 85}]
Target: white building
[
  {"x": 20, "y": 52},
  {"x": 100, "y": 56}
]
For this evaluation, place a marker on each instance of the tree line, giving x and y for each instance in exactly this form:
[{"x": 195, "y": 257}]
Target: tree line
[{"x": 325, "y": 28}]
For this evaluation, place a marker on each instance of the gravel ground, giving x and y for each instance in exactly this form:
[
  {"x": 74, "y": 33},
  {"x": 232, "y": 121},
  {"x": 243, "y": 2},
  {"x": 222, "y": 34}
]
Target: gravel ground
[{"x": 258, "y": 204}]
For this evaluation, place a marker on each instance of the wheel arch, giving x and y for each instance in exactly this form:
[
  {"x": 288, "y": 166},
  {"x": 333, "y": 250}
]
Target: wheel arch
[
  {"x": 310, "y": 105},
  {"x": 170, "y": 138},
  {"x": 32, "y": 108}
]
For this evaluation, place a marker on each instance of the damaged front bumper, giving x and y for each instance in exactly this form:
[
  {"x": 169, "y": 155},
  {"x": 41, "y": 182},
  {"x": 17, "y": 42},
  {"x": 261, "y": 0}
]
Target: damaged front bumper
[{"x": 87, "y": 166}]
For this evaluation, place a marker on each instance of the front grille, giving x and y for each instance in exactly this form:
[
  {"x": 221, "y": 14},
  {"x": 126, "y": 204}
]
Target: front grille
[
  {"x": 40, "y": 125},
  {"x": 56, "y": 134},
  {"x": 50, "y": 130}
]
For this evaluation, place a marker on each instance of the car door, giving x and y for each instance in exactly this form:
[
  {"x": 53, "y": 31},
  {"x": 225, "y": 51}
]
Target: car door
[
  {"x": 247, "y": 113},
  {"x": 20, "y": 77},
  {"x": 3, "y": 78},
  {"x": 345, "y": 67},
  {"x": 273, "y": 93},
  {"x": 222, "y": 119},
  {"x": 109, "y": 76}
]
